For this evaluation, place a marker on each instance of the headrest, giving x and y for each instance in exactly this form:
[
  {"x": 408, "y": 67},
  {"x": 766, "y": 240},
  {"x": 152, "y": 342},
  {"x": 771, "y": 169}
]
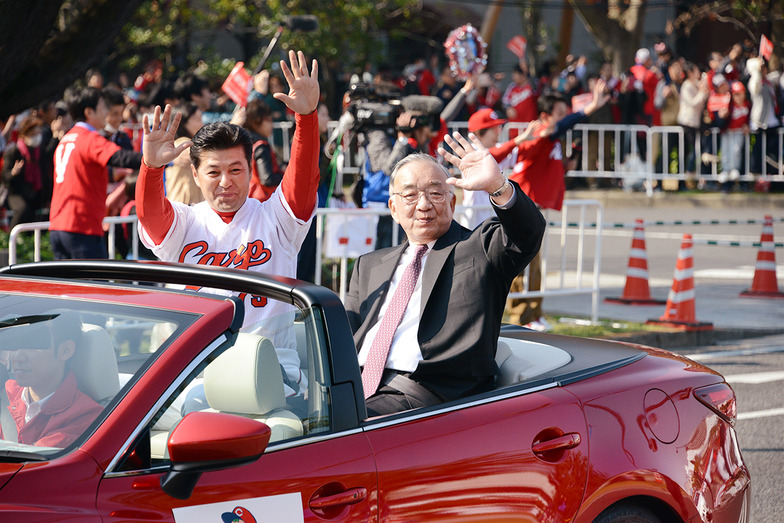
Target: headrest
[
  {"x": 95, "y": 364},
  {"x": 246, "y": 379},
  {"x": 512, "y": 367}
]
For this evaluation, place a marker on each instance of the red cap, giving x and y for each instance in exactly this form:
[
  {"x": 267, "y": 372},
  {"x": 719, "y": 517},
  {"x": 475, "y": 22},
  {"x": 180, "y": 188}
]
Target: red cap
[
  {"x": 482, "y": 119},
  {"x": 737, "y": 87}
]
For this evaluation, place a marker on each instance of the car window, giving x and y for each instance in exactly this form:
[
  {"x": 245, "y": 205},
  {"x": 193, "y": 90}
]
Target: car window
[
  {"x": 63, "y": 362},
  {"x": 273, "y": 371}
]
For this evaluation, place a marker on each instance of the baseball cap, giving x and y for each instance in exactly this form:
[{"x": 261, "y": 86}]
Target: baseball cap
[
  {"x": 642, "y": 55},
  {"x": 719, "y": 79},
  {"x": 737, "y": 87},
  {"x": 482, "y": 119}
]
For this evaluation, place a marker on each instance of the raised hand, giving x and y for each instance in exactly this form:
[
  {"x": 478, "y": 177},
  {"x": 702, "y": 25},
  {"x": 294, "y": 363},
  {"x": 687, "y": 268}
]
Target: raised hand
[
  {"x": 600, "y": 97},
  {"x": 532, "y": 131},
  {"x": 303, "y": 94},
  {"x": 480, "y": 170},
  {"x": 158, "y": 142}
]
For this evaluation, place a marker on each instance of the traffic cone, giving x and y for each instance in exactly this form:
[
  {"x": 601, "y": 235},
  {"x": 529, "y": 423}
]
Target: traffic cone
[
  {"x": 637, "y": 291},
  {"x": 680, "y": 309},
  {"x": 765, "y": 283}
]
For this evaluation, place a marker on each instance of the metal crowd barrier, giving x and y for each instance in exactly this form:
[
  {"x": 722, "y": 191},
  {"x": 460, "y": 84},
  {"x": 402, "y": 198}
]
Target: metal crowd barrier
[{"x": 637, "y": 154}]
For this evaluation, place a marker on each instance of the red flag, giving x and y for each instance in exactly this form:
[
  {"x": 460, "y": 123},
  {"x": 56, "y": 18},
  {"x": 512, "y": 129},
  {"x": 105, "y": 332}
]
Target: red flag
[
  {"x": 517, "y": 46},
  {"x": 236, "y": 84},
  {"x": 716, "y": 102},
  {"x": 765, "y": 48},
  {"x": 579, "y": 101}
]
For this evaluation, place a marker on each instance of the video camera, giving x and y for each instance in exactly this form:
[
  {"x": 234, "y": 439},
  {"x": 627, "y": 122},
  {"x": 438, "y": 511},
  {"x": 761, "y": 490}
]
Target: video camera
[{"x": 374, "y": 108}]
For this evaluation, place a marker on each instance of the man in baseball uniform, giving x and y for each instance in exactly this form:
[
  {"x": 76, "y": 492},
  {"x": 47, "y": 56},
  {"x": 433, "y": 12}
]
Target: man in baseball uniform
[{"x": 229, "y": 229}]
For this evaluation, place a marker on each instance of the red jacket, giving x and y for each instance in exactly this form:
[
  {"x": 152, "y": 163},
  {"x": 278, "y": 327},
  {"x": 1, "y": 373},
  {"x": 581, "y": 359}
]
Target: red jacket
[
  {"x": 540, "y": 173},
  {"x": 63, "y": 418}
]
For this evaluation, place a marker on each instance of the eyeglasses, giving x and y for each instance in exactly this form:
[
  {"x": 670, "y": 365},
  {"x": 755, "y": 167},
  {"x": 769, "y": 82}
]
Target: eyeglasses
[{"x": 434, "y": 195}]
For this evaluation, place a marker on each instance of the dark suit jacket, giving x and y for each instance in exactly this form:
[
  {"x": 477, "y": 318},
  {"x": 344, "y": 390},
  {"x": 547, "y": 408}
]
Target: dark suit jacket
[{"x": 465, "y": 282}]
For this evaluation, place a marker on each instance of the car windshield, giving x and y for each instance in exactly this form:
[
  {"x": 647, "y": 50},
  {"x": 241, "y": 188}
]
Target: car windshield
[{"x": 63, "y": 361}]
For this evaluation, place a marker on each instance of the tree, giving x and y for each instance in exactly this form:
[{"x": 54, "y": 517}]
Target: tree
[
  {"x": 750, "y": 16},
  {"x": 616, "y": 26},
  {"x": 45, "y": 45}
]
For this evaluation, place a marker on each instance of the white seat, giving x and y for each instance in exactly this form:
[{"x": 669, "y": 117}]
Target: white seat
[
  {"x": 247, "y": 380},
  {"x": 520, "y": 360},
  {"x": 95, "y": 364}
]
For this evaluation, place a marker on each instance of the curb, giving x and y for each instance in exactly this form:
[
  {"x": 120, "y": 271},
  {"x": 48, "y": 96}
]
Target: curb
[{"x": 680, "y": 339}]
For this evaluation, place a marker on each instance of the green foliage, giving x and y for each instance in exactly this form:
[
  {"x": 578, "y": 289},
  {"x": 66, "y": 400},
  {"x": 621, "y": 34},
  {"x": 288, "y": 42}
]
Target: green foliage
[
  {"x": 25, "y": 247},
  {"x": 178, "y": 31}
]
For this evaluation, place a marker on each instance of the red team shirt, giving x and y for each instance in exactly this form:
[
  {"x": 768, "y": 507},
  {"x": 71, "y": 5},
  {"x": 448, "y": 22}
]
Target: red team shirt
[
  {"x": 739, "y": 115},
  {"x": 80, "y": 181},
  {"x": 545, "y": 184},
  {"x": 521, "y": 98}
]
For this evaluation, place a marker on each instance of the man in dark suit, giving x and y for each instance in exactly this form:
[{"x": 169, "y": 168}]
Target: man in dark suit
[{"x": 437, "y": 342}]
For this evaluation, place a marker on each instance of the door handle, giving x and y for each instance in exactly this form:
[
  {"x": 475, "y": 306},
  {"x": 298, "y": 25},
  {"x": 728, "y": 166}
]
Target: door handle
[
  {"x": 560, "y": 443},
  {"x": 349, "y": 497}
]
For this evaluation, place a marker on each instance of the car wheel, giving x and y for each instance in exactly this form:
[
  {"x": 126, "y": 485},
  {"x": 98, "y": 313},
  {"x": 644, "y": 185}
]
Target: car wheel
[{"x": 627, "y": 513}]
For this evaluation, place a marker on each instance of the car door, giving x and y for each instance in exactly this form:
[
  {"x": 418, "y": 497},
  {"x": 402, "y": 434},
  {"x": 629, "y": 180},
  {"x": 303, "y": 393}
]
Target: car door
[
  {"x": 519, "y": 458},
  {"x": 332, "y": 479},
  {"x": 313, "y": 469}
]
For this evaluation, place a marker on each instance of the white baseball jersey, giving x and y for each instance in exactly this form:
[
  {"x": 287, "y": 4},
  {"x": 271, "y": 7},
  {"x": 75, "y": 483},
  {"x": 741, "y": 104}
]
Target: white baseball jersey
[{"x": 262, "y": 236}]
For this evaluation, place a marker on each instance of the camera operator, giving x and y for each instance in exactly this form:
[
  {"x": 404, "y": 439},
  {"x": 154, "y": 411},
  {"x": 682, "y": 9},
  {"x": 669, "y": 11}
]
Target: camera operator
[
  {"x": 389, "y": 129},
  {"x": 386, "y": 144},
  {"x": 414, "y": 131}
]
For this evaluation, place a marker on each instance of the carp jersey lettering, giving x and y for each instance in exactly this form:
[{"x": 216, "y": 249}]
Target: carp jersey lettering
[{"x": 262, "y": 236}]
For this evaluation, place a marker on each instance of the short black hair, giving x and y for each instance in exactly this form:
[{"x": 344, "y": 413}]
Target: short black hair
[
  {"x": 547, "y": 102},
  {"x": 80, "y": 100},
  {"x": 219, "y": 136},
  {"x": 113, "y": 96},
  {"x": 256, "y": 112},
  {"x": 188, "y": 85},
  {"x": 187, "y": 109}
]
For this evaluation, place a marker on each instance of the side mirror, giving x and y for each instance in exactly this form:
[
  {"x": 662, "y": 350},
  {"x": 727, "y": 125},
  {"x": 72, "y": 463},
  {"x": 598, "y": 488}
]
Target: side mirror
[{"x": 206, "y": 441}]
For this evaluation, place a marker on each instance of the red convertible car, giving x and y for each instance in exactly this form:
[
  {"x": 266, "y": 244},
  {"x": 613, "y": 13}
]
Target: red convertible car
[{"x": 132, "y": 396}]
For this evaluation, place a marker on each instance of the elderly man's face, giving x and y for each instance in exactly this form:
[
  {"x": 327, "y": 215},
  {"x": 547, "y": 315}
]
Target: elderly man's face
[{"x": 416, "y": 185}]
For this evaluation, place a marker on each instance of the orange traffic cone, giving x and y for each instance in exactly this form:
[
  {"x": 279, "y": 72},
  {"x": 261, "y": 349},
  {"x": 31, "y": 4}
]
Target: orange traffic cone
[
  {"x": 680, "y": 309},
  {"x": 637, "y": 291},
  {"x": 765, "y": 284}
]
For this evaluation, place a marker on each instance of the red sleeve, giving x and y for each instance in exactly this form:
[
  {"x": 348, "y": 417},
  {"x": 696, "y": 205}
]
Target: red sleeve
[
  {"x": 155, "y": 212},
  {"x": 499, "y": 152},
  {"x": 102, "y": 149},
  {"x": 300, "y": 183}
]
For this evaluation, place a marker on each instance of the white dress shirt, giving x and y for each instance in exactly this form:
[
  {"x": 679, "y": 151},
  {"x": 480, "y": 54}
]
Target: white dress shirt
[{"x": 404, "y": 353}]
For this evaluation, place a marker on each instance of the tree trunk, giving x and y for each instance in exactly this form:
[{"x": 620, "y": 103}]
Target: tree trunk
[{"x": 616, "y": 30}]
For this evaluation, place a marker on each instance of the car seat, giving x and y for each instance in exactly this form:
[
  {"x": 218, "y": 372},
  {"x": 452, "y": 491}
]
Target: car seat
[
  {"x": 521, "y": 360},
  {"x": 246, "y": 380},
  {"x": 95, "y": 364}
]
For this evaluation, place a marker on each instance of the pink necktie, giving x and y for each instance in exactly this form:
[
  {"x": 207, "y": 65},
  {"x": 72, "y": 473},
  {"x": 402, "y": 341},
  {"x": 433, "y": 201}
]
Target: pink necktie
[{"x": 377, "y": 356}]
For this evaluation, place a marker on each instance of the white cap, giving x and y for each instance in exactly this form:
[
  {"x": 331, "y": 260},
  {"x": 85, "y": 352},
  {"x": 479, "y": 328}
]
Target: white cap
[{"x": 642, "y": 55}]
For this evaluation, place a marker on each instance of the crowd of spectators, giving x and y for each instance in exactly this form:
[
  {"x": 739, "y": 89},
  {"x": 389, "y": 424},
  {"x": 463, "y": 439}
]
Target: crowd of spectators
[{"x": 733, "y": 92}]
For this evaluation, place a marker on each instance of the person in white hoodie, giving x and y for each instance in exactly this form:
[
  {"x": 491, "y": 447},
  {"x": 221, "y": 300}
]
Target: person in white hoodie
[
  {"x": 693, "y": 95},
  {"x": 763, "y": 119}
]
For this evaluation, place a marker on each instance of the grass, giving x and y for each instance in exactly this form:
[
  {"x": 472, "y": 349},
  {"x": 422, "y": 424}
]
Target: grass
[{"x": 583, "y": 328}]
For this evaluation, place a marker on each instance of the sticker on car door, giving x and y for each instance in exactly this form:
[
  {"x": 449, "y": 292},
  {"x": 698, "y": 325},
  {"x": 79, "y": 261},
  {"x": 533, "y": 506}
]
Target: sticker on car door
[{"x": 283, "y": 507}]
